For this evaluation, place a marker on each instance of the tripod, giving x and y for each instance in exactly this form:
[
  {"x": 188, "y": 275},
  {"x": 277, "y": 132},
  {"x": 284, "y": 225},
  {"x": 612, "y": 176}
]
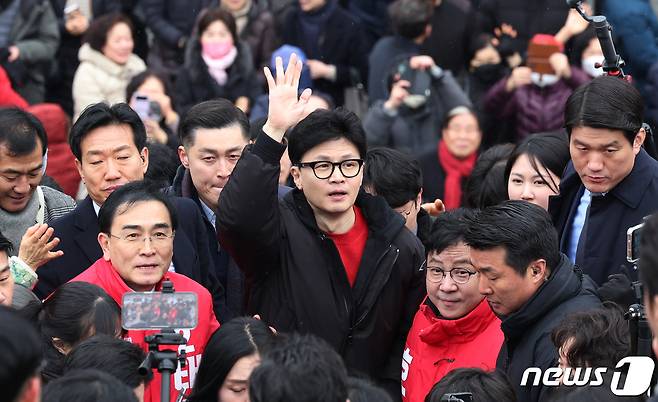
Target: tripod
[{"x": 165, "y": 361}]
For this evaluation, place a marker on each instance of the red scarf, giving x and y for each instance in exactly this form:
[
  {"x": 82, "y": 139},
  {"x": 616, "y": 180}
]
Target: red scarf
[{"x": 456, "y": 170}]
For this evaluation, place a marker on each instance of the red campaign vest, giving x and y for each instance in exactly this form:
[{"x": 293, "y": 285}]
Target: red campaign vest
[
  {"x": 103, "y": 274},
  {"x": 437, "y": 346}
]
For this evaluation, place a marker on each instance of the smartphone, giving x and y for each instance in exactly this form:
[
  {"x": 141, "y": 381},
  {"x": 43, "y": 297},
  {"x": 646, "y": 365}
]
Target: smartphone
[
  {"x": 142, "y": 106},
  {"x": 633, "y": 238},
  {"x": 157, "y": 310},
  {"x": 155, "y": 112},
  {"x": 71, "y": 8}
]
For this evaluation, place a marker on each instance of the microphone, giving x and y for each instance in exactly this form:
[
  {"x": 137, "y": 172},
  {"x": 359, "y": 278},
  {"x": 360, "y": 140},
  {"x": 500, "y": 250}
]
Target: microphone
[{"x": 613, "y": 62}]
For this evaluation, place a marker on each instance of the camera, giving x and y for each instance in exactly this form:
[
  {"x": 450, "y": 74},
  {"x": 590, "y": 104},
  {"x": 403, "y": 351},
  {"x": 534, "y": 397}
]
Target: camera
[
  {"x": 167, "y": 311},
  {"x": 421, "y": 84}
]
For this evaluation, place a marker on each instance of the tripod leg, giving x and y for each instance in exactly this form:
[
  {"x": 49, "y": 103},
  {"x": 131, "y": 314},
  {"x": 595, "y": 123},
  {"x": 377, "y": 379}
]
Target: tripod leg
[{"x": 165, "y": 392}]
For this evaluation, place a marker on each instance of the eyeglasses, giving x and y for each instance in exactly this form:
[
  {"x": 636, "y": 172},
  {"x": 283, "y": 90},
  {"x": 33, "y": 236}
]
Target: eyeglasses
[
  {"x": 135, "y": 239},
  {"x": 458, "y": 275},
  {"x": 324, "y": 169}
]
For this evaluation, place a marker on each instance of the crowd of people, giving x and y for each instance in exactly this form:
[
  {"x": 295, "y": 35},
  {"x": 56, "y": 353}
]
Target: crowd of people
[{"x": 399, "y": 200}]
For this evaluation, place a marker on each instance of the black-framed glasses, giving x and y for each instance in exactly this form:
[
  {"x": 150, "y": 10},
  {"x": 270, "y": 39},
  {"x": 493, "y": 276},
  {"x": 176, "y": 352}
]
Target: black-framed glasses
[
  {"x": 324, "y": 169},
  {"x": 458, "y": 275}
]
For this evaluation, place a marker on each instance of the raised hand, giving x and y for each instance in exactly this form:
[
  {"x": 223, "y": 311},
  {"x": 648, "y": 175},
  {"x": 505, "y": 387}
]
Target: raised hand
[
  {"x": 560, "y": 64},
  {"x": 520, "y": 76},
  {"x": 435, "y": 208},
  {"x": 36, "y": 246},
  {"x": 286, "y": 106},
  {"x": 421, "y": 62},
  {"x": 398, "y": 93}
]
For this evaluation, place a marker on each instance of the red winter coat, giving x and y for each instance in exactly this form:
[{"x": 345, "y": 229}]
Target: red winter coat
[
  {"x": 103, "y": 274},
  {"x": 8, "y": 96},
  {"x": 437, "y": 346}
]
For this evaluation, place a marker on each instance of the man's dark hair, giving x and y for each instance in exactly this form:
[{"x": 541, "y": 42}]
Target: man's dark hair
[
  {"x": 5, "y": 244},
  {"x": 326, "y": 125},
  {"x": 409, "y": 18},
  {"x": 109, "y": 355},
  {"x": 19, "y": 131},
  {"x": 88, "y": 386},
  {"x": 163, "y": 163},
  {"x": 130, "y": 194},
  {"x": 393, "y": 175},
  {"x": 21, "y": 353},
  {"x": 101, "y": 115},
  {"x": 361, "y": 390},
  {"x": 302, "y": 368},
  {"x": 595, "y": 338},
  {"x": 605, "y": 102},
  {"x": 448, "y": 229},
  {"x": 216, "y": 113},
  {"x": 96, "y": 35},
  {"x": 484, "y": 386},
  {"x": 486, "y": 186},
  {"x": 648, "y": 264},
  {"x": 550, "y": 150},
  {"x": 522, "y": 229}
]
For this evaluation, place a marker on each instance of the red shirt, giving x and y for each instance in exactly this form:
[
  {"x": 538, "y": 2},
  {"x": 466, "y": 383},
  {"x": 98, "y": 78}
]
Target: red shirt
[{"x": 350, "y": 245}]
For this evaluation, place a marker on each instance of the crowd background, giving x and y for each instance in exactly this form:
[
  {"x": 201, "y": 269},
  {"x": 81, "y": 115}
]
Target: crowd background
[{"x": 464, "y": 105}]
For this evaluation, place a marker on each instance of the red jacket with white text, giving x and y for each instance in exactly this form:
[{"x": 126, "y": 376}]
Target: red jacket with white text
[
  {"x": 436, "y": 346},
  {"x": 104, "y": 275}
]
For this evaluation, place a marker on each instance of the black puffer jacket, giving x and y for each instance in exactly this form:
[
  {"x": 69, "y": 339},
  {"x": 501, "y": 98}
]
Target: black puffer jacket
[
  {"x": 297, "y": 280},
  {"x": 195, "y": 84},
  {"x": 528, "y": 330}
]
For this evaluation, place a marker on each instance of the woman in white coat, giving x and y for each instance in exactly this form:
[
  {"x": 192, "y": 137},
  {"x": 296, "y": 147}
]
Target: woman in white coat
[{"x": 107, "y": 63}]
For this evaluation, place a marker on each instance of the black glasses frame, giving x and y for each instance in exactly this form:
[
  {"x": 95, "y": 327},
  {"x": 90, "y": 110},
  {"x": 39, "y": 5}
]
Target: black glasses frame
[{"x": 313, "y": 164}]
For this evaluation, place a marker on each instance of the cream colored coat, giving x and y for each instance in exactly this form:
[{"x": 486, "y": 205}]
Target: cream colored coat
[{"x": 99, "y": 79}]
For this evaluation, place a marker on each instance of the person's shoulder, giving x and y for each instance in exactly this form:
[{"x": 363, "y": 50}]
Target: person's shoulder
[
  {"x": 135, "y": 64},
  {"x": 185, "y": 206},
  {"x": 56, "y": 198},
  {"x": 57, "y": 203},
  {"x": 342, "y": 18}
]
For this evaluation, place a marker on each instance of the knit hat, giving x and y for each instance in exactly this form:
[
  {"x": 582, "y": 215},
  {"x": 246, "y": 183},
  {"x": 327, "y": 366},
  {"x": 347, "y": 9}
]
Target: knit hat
[{"x": 285, "y": 52}]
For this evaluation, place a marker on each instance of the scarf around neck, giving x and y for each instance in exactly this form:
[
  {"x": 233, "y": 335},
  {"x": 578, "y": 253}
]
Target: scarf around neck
[
  {"x": 217, "y": 67},
  {"x": 242, "y": 17},
  {"x": 456, "y": 169}
]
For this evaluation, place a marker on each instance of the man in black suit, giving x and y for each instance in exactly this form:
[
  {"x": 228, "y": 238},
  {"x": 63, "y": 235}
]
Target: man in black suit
[
  {"x": 109, "y": 144},
  {"x": 213, "y": 134}
]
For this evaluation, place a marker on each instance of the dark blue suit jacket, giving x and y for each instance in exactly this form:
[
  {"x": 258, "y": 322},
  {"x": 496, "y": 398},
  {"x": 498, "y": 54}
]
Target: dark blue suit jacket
[
  {"x": 78, "y": 232},
  {"x": 610, "y": 216}
]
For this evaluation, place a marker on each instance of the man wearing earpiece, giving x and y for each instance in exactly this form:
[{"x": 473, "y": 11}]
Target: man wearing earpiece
[
  {"x": 528, "y": 284},
  {"x": 109, "y": 145}
]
